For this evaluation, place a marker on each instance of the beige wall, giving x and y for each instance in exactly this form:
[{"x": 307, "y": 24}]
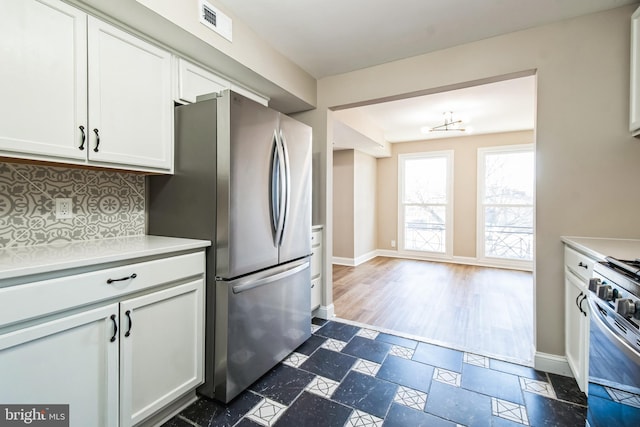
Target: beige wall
[
  {"x": 343, "y": 203},
  {"x": 585, "y": 157},
  {"x": 354, "y": 204},
  {"x": 465, "y": 157},
  {"x": 365, "y": 197}
]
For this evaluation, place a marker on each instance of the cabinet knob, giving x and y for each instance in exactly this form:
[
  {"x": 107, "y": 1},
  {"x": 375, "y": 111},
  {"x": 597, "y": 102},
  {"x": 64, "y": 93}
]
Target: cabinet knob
[{"x": 583, "y": 265}]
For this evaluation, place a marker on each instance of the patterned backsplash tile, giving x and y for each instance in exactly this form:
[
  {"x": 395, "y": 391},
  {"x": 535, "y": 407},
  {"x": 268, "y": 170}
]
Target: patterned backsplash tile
[{"x": 105, "y": 204}]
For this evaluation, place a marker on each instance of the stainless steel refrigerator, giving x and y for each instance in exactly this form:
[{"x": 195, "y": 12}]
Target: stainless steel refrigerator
[{"x": 242, "y": 180}]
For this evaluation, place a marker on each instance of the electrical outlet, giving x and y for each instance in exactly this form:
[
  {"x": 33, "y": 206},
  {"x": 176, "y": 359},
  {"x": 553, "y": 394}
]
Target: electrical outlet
[
  {"x": 64, "y": 208},
  {"x": 393, "y": 243}
]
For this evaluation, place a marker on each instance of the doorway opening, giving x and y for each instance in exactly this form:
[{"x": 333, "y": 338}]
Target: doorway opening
[{"x": 445, "y": 251}]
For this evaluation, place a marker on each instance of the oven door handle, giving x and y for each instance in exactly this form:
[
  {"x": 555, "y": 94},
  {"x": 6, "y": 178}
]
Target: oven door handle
[{"x": 614, "y": 336}]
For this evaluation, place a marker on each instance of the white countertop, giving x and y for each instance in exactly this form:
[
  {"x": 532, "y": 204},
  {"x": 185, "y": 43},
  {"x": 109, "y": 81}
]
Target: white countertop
[
  {"x": 24, "y": 261},
  {"x": 598, "y": 247}
]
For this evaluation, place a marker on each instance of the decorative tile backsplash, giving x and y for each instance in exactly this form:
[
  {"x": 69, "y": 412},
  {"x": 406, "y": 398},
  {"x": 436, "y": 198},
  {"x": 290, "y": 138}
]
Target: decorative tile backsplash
[{"x": 105, "y": 204}]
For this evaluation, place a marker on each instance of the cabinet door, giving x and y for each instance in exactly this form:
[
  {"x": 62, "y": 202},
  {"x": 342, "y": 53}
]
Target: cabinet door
[
  {"x": 43, "y": 79},
  {"x": 162, "y": 353},
  {"x": 194, "y": 81},
  {"x": 70, "y": 360},
  {"x": 316, "y": 293},
  {"x": 576, "y": 332},
  {"x": 130, "y": 104}
]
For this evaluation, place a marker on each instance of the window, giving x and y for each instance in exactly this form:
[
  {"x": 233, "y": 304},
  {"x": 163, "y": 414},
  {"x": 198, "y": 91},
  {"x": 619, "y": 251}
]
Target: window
[
  {"x": 505, "y": 202},
  {"x": 425, "y": 209}
]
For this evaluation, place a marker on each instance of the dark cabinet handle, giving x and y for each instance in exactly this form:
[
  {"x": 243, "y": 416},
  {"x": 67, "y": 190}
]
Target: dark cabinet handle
[
  {"x": 133, "y": 276},
  {"x": 580, "y": 304},
  {"x": 577, "y": 298},
  {"x": 97, "y": 140},
  {"x": 115, "y": 327},
  {"x": 84, "y": 137},
  {"x": 128, "y": 314},
  {"x": 581, "y": 264}
]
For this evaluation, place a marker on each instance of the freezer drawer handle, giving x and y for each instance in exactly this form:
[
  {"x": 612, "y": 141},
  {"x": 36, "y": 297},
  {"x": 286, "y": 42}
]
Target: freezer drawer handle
[
  {"x": 133, "y": 276},
  {"x": 243, "y": 287},
  {"x": 115, "y": 327}
]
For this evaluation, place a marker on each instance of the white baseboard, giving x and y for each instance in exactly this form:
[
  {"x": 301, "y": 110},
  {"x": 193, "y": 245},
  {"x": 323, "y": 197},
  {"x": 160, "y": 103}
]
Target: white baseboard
[
  {"x": 351, "y": 262},
  {"x": 552, "y": 363},
  {"x": 456, "y": 260},
  {"x": 326, "y": 312},
  {"x": 366, "y": 257}
]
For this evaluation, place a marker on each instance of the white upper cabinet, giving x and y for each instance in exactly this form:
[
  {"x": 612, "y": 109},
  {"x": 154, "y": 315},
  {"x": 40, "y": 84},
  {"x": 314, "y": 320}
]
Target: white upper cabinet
[
  {"x": 77, "y": 90},
  {"x": 130, "y": 105},
  {"x": 634, "y": 107},
  {"x": 43, "y": 79},
  {"x": 194, "y": 81}
]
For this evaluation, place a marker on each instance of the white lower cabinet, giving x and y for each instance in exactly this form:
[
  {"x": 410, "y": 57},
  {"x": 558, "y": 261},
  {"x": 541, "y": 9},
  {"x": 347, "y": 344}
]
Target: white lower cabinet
[
  {"x": 70, "y": 360},
  {"x": 578, "y": 270},
  {"x": 116, "y": 364},
  {"x": 576, "y": 329},
  {"x": 161, "y": 343},
  {"x": 316, "y": 268}
]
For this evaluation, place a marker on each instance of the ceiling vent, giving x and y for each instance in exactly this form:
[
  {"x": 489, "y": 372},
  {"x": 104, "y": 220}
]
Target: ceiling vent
[{"x": 216, "y": 20}]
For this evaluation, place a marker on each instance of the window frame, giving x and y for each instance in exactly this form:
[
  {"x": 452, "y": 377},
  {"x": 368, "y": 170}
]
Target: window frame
[
  {"x": 448, "y": 253},
  {"x": 480, "y": 208}
]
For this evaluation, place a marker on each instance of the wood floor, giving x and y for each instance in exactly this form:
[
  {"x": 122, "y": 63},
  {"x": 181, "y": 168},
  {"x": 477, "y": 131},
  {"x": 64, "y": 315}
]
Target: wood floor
[{"x": 486, "y": 311}]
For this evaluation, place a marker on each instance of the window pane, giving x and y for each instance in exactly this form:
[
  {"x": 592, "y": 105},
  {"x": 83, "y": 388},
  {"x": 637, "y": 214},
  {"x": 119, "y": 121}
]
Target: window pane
[
  {"x": 509, "y": 178},
  {"x": 508, "y": 232},
  {"x": 424, "y": 228},
  {"x": 425, "y": 180}
]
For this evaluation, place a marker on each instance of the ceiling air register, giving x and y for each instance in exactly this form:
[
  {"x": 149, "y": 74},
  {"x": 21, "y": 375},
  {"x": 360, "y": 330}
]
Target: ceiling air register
[{"x": 213, "y": 18}]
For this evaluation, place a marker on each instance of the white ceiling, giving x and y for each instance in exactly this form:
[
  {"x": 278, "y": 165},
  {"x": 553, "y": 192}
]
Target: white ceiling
[
  {"x": 504, "y": 106},
  {"x": 327, "y": 37}
]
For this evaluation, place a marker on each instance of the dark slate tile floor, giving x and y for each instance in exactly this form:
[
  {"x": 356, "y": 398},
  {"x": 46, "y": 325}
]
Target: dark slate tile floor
[{"x": 347, "y": 376}]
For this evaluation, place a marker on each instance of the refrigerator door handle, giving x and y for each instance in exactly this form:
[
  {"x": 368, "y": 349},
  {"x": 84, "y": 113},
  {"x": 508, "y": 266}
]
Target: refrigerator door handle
[
  {"x": 253, "y": 282},
  {"x": 277, "y": 189},
  {"x": 282, "y": 189},
  {"x": 287, "y": 188}
]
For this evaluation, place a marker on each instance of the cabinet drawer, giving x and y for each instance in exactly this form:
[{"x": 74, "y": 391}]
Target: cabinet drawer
[
  {"x": 578, "y": 263},
  {"x": 31, "y": 300},
  {"x": 316, "y": 292},
  {"x": 316, "y": 256},
  {"x": 316, "y": 238}
]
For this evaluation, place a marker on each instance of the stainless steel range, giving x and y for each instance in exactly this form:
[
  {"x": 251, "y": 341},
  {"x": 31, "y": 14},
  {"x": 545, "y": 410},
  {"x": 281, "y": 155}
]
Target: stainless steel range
[{"x": 614, "y": 344}]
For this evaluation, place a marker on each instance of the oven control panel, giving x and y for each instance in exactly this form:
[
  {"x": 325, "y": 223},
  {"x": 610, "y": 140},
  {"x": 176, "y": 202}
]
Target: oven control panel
[{"x": 616, "y": 297}]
